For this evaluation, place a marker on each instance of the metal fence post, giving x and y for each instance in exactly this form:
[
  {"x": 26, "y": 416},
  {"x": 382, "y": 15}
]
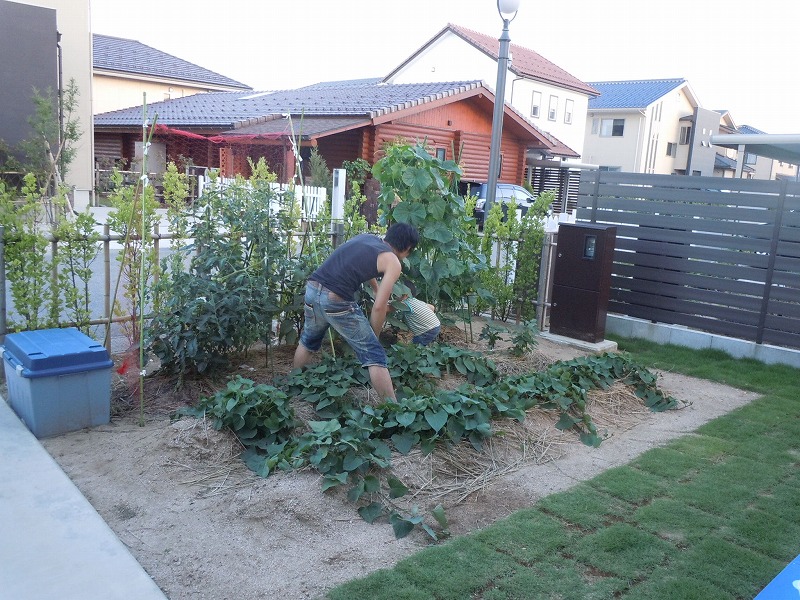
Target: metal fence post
[
  {"x": 773, "y": 250},
  {"x": 545, "y": 275}
]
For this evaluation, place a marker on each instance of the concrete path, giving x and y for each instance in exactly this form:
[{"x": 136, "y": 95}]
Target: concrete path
[{"x": 53, "y": 544}]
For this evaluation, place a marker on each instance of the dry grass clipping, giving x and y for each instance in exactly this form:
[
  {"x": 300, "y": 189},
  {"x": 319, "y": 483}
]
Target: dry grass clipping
[
  {"x": 450, "y": 475},
  {"x": 210, "y": 458}
]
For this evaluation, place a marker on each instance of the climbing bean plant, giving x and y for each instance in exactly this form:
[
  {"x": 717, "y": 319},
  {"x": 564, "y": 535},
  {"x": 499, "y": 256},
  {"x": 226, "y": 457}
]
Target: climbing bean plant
[{"x": 444, "y": 266}]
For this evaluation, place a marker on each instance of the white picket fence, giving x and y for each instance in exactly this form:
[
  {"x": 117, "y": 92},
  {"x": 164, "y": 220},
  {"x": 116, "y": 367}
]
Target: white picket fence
[{"x": 311, "y": 199}]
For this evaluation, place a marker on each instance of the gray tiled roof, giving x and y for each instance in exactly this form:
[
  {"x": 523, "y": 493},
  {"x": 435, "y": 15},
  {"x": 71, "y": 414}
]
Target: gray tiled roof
[
  {"x": 225, "y": 109},
  {"x": 316, "y": 109},
  {"x": 129, "y": 56},
  {"x": 346, "y": 83},
  {"x": 308, "y": 127},
  {"x": 631, "y": 94},
  {"x": 723, "y": 162},
  {"x": 750, "y": 130}
]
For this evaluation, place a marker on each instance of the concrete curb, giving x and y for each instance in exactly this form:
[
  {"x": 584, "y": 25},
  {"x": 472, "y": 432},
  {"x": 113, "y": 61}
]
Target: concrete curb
[{"x": 681, "y": 336}]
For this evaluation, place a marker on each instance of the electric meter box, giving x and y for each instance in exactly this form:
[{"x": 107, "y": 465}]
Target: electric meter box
[
  {"x": 59, "y": 380},
  {"x": 582, "y": 280}
]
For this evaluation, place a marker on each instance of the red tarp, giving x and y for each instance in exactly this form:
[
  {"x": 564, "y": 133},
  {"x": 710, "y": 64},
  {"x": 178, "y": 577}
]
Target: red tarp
[{"x": 215, "y": 139}]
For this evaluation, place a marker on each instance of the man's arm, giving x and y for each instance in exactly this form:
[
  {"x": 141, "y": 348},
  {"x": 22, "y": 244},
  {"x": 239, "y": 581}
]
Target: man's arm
[{"x": 391, "y": 268}]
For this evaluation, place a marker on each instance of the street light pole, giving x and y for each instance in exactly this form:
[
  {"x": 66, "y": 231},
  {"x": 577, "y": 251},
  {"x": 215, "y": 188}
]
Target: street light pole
[{"x": 504, "y": 7}]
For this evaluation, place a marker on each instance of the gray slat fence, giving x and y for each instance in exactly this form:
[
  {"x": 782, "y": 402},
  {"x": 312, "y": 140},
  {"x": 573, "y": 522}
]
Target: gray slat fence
[{"x": 714, "y": 254}]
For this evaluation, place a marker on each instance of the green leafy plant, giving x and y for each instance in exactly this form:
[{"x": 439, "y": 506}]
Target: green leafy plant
[
  {"x": 524, "y": 339},
  {"x": 444, "y": 266},
  {"x": 319, "y": 171},
  {"x": 260, "y": 415},
  {"x": 492, "y": 333},
  {"x": 77, "y": 249},
  {"x": 36, "y": 298},
  {"x": 529, "y": 255},
  {"x": 513, "y": 247},
  {"x": 133, "y": 217},
  {"x": 241, "y": 276},
  {"x": 351, "y": 444},
  {"x": 357, "y": 172}
]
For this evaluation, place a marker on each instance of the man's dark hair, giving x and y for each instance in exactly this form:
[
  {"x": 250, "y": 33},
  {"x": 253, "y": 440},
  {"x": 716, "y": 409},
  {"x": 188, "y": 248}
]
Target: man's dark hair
[{"x": 402, "y": 237}]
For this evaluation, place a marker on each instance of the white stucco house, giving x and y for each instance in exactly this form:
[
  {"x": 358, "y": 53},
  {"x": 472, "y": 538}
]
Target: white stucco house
[{"x": 544, "y": 93}]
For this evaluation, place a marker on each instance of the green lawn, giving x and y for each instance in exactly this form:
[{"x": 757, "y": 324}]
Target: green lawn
[{"x": 712, "y": 515}]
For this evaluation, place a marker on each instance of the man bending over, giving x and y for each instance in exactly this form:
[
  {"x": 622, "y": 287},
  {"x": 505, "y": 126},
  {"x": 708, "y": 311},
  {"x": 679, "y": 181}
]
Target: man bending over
[{"x": 330, "y": 299}]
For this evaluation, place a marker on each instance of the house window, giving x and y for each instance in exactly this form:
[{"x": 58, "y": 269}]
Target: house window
[
  {"x": 610, "y": 169},
  {"x": 750, "y": 158},
  {"x": 569, "y": 106},
  {"x": 672, "y": 148},
  {"x": 595, "y": 126},
  {"x": 536, "y": 104},
  {"x": 552, "y": 112},
  {"x": 612, "y": 127},
  {"x": 441, "y": 153},
  {"x": 686, "y": 135}
]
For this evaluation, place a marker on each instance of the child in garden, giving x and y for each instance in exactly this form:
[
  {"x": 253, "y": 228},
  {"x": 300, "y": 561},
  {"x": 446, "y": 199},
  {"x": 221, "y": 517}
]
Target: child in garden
[{"x": 419, "y": 316}]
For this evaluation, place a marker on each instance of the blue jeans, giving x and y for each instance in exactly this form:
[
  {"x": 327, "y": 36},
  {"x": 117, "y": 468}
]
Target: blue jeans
[
  {"x": 423, "y": 339},
  {"x": 323, "y": 309}
]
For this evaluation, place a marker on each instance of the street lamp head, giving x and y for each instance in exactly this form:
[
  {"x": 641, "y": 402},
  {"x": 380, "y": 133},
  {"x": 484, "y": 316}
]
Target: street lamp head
[{"x": 508, "y": 8}]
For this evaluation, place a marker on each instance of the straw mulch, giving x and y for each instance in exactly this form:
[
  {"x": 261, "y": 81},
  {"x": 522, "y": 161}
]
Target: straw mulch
[{"x": 450, "y": 475}]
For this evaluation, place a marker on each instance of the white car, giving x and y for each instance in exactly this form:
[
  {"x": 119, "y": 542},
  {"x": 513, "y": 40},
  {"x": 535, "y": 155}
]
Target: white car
[{"x": 505, "y": 193}]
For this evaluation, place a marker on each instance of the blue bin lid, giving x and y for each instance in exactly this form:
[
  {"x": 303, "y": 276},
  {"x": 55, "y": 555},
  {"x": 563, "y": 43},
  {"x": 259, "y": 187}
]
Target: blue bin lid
[{"x": 49, "y": 352}]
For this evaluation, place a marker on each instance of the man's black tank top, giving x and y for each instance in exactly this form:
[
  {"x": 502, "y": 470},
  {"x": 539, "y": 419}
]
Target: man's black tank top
[{"x": 351, "y": 264}]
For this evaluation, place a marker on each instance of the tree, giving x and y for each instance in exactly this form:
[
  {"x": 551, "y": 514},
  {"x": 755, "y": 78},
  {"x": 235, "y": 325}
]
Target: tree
[{"x": 55, "y": 132}]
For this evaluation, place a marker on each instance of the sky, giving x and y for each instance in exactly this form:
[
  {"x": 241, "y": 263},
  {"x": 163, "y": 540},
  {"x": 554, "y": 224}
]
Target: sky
[{"x": 738, "y": 55}]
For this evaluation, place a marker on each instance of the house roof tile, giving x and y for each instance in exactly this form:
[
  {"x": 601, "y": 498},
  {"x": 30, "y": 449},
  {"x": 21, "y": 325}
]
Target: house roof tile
[
  {"x": 368, "y": 81},
  {"x": 631, "y": 94},
  {"x": 525, "y": 62},
  {"x": 750, "y": 130},
  {"x": 275, "y": 126},
  {"x": 723, "y": 162},
  {"x": 322, "y": 107},
  {"x": 216, "y": 109},
  {"x": 129, "y": 56}
]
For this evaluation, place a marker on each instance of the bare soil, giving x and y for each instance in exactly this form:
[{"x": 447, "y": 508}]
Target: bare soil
[{"x": 204, "y": 527}]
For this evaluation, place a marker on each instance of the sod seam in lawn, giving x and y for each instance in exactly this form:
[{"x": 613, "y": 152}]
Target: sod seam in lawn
[{"x": 711, "y": 515}]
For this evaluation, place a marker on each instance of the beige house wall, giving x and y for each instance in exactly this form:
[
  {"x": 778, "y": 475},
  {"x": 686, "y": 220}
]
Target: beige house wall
[
  {"x": 666, "y": 117},
  {"x": 625, "y": 153},
  {"x": 647, "y": 133},
  {"x": 784, "y": 169},
  {"x": 114, "y": 92},
  {"x": 72, "y": 17}
]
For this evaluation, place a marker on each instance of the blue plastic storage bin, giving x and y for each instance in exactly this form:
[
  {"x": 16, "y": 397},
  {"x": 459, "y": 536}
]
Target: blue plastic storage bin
[{"x": 58, "y": 380}]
